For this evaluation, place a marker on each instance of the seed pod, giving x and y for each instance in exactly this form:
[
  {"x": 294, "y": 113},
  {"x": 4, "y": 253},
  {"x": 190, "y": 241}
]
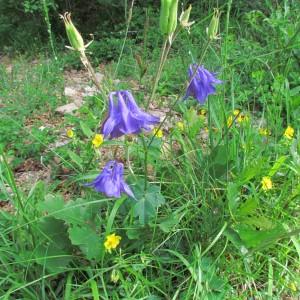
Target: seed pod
[
  {"x": 164, "y": 16},
  {"x": 172, "y": 24},
  {"x": 74, "y": 36},
  {"x": 184, "y": 18},
  {"x": 212, "y": 30}
]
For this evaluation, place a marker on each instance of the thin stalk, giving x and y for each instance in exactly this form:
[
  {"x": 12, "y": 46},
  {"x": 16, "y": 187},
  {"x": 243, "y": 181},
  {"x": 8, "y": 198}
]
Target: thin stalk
[
  {"x": 90, "y": 69},
  {"x": 92, "y": 73},
  {"x": 47, "y": 20},
  {"x": 126, "y": 35},
  {"x": 158, "y": 72},
  {"x": 145, "y": 163},
  {"x": 179, "y": 97}
]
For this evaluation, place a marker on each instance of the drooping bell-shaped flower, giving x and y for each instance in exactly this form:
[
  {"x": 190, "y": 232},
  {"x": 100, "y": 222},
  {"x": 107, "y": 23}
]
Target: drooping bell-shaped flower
[
  {"x": 125, "y": 117},
  {"x": 202, "y": 83},
  {"x": 111, "y": 181}
]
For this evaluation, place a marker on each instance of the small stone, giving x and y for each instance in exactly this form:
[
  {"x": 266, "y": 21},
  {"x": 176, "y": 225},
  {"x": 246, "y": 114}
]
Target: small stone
[
  {"x": 70, "y": 92},
  {"x": 67, "y": 109}
]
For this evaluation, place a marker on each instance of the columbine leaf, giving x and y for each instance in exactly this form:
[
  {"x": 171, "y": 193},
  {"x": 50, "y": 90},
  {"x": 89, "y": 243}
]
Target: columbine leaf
[
  {"x": 87, "y": 240},
  {"x": 148, "y": 202}
]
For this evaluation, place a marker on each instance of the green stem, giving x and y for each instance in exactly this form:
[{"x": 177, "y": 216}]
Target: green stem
[
  {"x": 158, "y": 72},
  {"x": 145, "y": 163},
  {"x": 179, "y": 97},
  {"x": 46, "y": 12},
  {"x": 126, "y": 35},
  {"x": 91, "y": 71}
]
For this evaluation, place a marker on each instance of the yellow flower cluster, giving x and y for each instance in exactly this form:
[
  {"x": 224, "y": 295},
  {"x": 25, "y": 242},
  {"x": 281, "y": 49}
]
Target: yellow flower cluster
[
  {"x": 266, "y": 183},
  {"x": 158, "y": 133},
  {"x": 237, "y": 115},
  {"x": 289, "y": 132},
  {"x": 112, "y": 241},
  {"x": 264, "y": 131},
  {"x": 70, "y": 133},
  {"x": 98, "y": 140},
  {"x": 180, "y": 125}
]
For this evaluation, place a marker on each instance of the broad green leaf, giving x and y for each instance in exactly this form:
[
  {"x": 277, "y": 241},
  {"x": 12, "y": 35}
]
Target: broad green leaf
[
  {"x": 53, "y": 205},
  {"x": 277, "y": 165},
  {"x": 233, "y": 192},
  {"x": 259, "y": 238},
  {"x": 54, "y": 249},
  {"x": 75, "y": 158},
  {"x": 87, "y": 240},
  {"x": 233, "y": 237},
  {"x": 168, "y": 223},
  {"x": 147, "y": 202},
  {"x": 248, "y": 207},
  {"x": 86, "y": 129}
]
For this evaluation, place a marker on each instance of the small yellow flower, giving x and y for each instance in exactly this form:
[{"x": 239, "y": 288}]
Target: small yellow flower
[
  {"x": 203, "y": 112},
  {"x": 264, "y": 131},
  {"x": 229, "y": 121},
  {"x": 236, "y": 112},
  {"x": 112, "y": 242},
  {"x": 158, "y": 133},
  {"x": 289, "y": 132},
  {"x": 242, "y": 118},
  {"x": 266, "y": 183},
  {"x": 70, "y": 133},
  {"x": 180, "y": 125},
  {"x": 97, "y": 140},
  {"x": 293, "y": 286}
]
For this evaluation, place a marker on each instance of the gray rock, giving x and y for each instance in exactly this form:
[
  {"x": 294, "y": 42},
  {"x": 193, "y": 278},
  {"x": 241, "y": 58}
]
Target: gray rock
[{"x": 67, "y": 109}]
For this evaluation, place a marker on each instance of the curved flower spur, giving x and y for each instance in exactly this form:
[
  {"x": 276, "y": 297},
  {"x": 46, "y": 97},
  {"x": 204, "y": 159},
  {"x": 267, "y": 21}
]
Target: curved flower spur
[
  {"x": 125, "y": 117},
  {"x": 111, "y": 181},
  {"x": 202, "y": 83}
]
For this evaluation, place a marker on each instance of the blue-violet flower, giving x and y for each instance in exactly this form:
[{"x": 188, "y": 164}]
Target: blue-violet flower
[
  {"x": 202, "y": 83},
  {"x": 125, "y": 117},
  {"x": 111, "y": 181}
]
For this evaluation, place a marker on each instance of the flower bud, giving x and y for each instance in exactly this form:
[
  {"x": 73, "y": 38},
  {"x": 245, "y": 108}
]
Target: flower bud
[
  {"x": 184, "y": 18},
  {"x": 212, "y": 30},
  {"x": 168, "y": 16},
  {"x": 74, "y": 36}
]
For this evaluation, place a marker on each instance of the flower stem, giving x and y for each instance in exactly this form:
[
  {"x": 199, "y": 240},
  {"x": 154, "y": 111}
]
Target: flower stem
[
  {"x": 145, "y": 163},
  {"x": 159, "y": 70},
  {"x": 91, "y": 71},
  {"x": 179, "y": 97}
]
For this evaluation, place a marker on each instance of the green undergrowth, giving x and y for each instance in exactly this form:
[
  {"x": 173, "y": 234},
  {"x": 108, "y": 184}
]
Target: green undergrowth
[{"x": 205, "y": 226}]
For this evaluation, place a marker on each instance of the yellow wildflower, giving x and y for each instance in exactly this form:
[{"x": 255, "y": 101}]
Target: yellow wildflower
[
  {"x": 112, "y": 242},
  {"x": 180, "y": 125},
  {"x": 158, "y": 133},
  {"x": 70, "y": 133},
  {"x": 289, "y": 132},
  {"x": 97, "y": 140},
  {"x": 266, "y": 183},
  {"x": 236, "y": 112},
  {"x": 229, "y": 121},
  {"x": 202, "y": 112},
  {"x": 293, "y": 286},
  {"x": 264, "y": 131},
  {"x": 242, "y": 118}
]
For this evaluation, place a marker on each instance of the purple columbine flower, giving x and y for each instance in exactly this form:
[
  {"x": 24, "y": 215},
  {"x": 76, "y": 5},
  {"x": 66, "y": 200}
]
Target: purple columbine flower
[
  {"x": 125, "y": 117},
  {"x": 202, "y": 83},
  {"x": 111, "y": 182}
]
